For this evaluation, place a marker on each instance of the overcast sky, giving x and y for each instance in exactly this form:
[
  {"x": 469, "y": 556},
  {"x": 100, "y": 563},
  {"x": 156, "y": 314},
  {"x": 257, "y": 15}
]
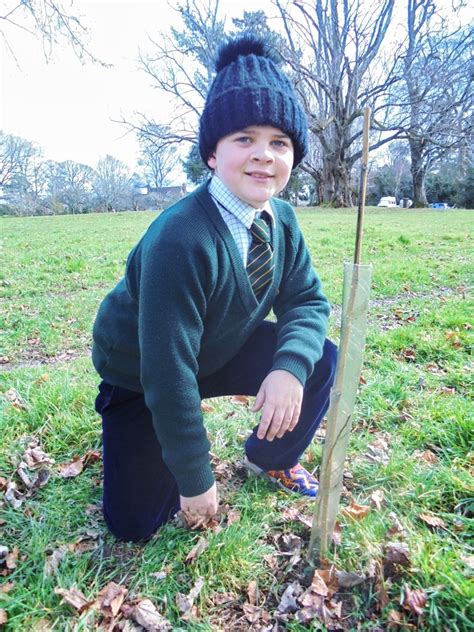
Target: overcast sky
[{"x": 66, "y": 107}]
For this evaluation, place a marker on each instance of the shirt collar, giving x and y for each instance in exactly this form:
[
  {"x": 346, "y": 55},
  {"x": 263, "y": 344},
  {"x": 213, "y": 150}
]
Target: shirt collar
[{"x": 240, "y": 209}]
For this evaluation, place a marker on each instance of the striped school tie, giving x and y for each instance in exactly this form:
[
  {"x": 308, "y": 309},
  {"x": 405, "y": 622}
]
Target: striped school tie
[{"x": 260, "y": 259}]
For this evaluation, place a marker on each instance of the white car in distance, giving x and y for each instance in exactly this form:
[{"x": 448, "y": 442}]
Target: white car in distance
[{"x": 388, "y": 202}]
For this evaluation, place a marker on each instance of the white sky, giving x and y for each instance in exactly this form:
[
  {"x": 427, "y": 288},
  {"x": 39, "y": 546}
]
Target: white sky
[{"x": 67, "y": 107}]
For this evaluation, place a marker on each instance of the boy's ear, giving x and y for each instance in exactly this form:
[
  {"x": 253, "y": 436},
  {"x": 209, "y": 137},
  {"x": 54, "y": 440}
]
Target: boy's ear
[{"x": 211, "y": 161}]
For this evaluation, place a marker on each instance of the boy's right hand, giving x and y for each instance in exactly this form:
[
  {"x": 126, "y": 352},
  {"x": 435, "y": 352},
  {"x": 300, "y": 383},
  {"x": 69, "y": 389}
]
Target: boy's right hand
[{"x": 201, "y": 505}]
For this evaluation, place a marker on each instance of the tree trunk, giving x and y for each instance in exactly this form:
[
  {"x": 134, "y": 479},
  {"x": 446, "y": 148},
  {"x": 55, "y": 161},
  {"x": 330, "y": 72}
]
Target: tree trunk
[
  {"x": 336, "y": 184},
  {"x": 418, "y": 173}
]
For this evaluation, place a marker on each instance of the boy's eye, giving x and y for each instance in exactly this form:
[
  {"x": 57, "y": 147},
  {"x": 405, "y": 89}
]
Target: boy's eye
[
  {"x": 243, "y": 139},
  {"x": 280, "y": 143}
]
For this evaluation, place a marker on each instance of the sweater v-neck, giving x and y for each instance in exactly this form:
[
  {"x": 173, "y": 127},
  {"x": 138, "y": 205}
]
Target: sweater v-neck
[{"x": 249, "y": 301}]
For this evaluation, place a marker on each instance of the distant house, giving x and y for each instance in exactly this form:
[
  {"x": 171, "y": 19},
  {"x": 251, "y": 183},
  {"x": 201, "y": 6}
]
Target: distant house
[{"x": 150, "y": 198}]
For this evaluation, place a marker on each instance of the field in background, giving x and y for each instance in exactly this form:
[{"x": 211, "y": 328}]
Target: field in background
[{"x": 408, "y": 464}]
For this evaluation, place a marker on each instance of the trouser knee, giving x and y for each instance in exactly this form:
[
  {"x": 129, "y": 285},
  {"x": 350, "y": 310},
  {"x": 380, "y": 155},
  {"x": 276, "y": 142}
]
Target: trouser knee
[{"x": 325, "y": 368}]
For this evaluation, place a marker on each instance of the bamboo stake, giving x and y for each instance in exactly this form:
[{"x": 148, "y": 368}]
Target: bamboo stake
[
  {"x": 337, "y": 434},
  {"x": 363, "y": 184}
]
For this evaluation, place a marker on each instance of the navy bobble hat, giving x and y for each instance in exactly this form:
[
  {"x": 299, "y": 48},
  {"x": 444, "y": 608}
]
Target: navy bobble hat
[{"x": 250, "y": 89}]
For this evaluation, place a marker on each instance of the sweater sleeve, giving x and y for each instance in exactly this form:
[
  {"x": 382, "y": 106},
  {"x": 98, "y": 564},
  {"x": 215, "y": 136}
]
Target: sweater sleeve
[
  {"x": 170, "y": 279},
  {"x": 302, "y": 312}
]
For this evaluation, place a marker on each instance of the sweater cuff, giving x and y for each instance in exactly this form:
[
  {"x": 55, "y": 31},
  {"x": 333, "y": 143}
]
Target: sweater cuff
[
  {"x": 293, "y": 365},
  {"x": 194, "y": 481}
]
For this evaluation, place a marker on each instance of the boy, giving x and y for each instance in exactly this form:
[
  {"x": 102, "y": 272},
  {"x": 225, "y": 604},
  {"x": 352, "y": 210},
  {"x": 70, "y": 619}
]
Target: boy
[{"x": 187, "y": 320}]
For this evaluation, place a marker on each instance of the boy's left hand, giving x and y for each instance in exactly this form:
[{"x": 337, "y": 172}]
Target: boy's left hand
[{"x": 279, "y": 398}]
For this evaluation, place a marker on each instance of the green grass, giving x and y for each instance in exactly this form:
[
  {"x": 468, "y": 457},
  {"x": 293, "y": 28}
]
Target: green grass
[{"x": 416, "y": 396}]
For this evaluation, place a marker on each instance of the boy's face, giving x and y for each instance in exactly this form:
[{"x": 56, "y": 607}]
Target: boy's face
[{"x": 254, "y": 163}]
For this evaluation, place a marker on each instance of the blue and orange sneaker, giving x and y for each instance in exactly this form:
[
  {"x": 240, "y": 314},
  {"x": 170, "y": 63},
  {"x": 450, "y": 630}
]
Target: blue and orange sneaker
[{"x": 296, "y": 480}]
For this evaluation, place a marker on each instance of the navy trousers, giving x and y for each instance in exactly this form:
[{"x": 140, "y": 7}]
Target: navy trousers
[{"x": 140, "y": 493}]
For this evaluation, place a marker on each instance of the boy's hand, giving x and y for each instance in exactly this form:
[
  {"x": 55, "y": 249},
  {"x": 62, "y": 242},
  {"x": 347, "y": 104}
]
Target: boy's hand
[
  {"x": 203, "y": 505},
  {"x": 279, "y": 397}
]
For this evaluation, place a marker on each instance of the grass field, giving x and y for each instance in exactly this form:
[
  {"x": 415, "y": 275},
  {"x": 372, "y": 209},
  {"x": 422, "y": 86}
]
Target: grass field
[{"x": 409, "y": 465}]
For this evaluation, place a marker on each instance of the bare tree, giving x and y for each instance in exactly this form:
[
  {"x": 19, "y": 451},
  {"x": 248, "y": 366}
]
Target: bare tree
[
  {"x": 332, "y": 47},
  {"x": 50, "y": 21},
  {"x": 432, "y": 106},
  {"x": 112, "y": 185},
  {"x": 71, "y": 183},
  {"x": 157, "y": 160},
  {"x": 15, "y": 156},
  {"x": 181, "y": 65},
  {"x": 22, "y": 174}
]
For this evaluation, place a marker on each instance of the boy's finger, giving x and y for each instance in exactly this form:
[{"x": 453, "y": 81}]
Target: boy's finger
[
  {"x": 276, "y": 425},
  {"x": 265, "y": 422},
  {"x": 295, "y": 418},
  {"x": 258, "y": 403},
  {"x": 285, "y": 426}
]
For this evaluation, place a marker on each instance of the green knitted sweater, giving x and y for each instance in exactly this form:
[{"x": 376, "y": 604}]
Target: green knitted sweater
[{"x": 185, "y": 307}]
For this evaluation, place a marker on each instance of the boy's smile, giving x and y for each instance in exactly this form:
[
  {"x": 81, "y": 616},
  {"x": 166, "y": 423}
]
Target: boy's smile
[{"x": 254, "y": 163}]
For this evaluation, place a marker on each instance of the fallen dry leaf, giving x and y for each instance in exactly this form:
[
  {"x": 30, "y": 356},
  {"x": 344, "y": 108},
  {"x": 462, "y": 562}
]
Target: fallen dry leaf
[
  {"x": 349, "y": 580},
  {"x": 12, "y": 558},
  {"x": 13, "y": 397},
  {"x": 74, "y": 597},
  {"x": 396, "y": 554},
  {"x": 3, "y": 617},
  {"x": 42, "y": 379},
  {"x": 192, "y": 521},
  {"x": 427, "y": 456},
  {"x": 356, "y": 511},
  {"x": 196, "y": 551},
  {"x": 111, "y": 598},
  {"x": 397, "y": 527},
  {"x": 185, "y": 602},
  {"x": 33, "y": 479},
  {"x": 271, "y": 560},
  {"x": 414, "y": 600},
  {"x": 396, "y": 622},
  {"x": 3, "y": 483},
  {"x": 433, "y": 521},
  {"x": 84, "y": 544},
  {"x": 337, "y": 534},
  {"x": 288, "y": 599},
  {"x": 91, "y": 456},
  {"x": 240, "y": 400},
  {"x": 233, "y": 515},
  {"x": 206, "y": 408},
  {"x": 377, "y": 498},
  {"x": 35, "y": 457},
  {"x": 409, "y": 355},
  {"x": 252, "y": 592},
  {"x": 375, "y": 572},
  {"x": 6, "y": 588},
  {"x": 316, "y": 607},
  {"x": 468, "y": 560},
  {"x": 71, "y": 469},
  {"x": 255, "y": 614},
  {"x": 378, "y": 451},
  {"x": 219, "y": 599},
  {"x": 53, "y": 560},
  {"x": 292, "y": 513},
  {"x": 146, "y": 614},
  {"x": 318, "y": 585},
  {"x": 446, "y": 390},
  {"x": 293, "y": 544}
]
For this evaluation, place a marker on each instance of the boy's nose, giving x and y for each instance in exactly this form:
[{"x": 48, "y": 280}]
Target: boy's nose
[{"x": 262, "y": 152}]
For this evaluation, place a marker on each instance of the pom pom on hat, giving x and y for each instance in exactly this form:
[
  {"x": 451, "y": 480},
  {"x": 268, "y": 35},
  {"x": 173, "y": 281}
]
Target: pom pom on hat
[
  {"x": 246, "y": 45},
  {"x": 250, "y": 89}
]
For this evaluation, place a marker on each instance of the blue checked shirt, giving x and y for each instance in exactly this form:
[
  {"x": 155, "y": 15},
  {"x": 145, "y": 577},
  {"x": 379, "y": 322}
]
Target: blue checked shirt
[{"x": 238, "y": 215}]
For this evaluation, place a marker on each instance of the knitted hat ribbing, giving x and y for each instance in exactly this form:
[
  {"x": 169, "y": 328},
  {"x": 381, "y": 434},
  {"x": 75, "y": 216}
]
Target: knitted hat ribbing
[{"x": 250, "y": 89}]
